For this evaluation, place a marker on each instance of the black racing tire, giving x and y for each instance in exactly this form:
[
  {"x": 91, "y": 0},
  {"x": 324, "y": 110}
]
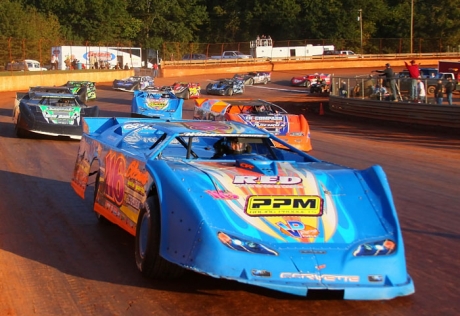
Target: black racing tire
[
  {"x": 147, "y": 244},
  {"x": 101, "y": 219},
  {"x": 308, "y": 83},
  {"x": 229, "y": 92},
  {"x": 20, "y": 132},
  {"x": 187, "y": 95},
  {"x": 265, "y": 81},
  {"x": 250, "y": 82},
  {"x": 83, "y": 93},
  {"x": 209, "y": 88}
]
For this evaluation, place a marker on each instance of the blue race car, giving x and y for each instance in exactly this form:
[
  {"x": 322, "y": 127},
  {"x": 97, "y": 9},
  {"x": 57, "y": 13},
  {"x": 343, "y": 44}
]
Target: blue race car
[
  {"x": 226, "y": 200},
  {"x": 133, "y": 83},
  {"x": 226, "y": 87},
  {"x": 156, "y": 103}
]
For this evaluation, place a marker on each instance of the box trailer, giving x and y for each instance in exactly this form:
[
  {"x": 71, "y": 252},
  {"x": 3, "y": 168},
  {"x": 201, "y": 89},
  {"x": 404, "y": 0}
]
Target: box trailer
[
  {"x": 263, "y": 48},
  {"x": 91, "y": 57}
]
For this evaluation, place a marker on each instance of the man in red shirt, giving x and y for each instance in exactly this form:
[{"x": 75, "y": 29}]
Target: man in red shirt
[{"x": 414, "y": 73}]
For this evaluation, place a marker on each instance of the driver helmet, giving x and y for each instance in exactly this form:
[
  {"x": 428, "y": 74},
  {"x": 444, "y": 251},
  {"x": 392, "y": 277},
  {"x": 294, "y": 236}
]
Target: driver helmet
[
  {"x": 236, "y": 147},
  {"x": 260, "y": 108}
]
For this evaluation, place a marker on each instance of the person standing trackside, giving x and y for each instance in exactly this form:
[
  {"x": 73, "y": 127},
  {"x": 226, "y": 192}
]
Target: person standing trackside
[
  {"x": 449, "y": 88},
  {"x": 414, "y": 73},
  {"x": 438, "y": 92},
  {"x": 421, "y": 92},
  {"x": 390, "y": 80},
  {"x": 155, "y": 70},
  {"x": 54, "y": 62}
]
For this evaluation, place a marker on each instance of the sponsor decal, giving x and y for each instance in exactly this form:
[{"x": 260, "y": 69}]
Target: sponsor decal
[
  {"x": 283, "y": 205},
  {"x": 297, "y": 229},
  {"x": 317, "y": 277},
  {"x": 222, "y": 195},
  {"x": 280, "y": 180}
]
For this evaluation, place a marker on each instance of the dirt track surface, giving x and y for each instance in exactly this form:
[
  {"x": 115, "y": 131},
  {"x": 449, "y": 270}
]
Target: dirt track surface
[{"x": 55, "y": 259}]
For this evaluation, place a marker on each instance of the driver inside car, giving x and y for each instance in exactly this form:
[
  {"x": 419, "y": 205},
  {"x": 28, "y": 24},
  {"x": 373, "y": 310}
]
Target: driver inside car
[
  {"x": 260, "y": 110},
  {"x": 230, "y": 146}
]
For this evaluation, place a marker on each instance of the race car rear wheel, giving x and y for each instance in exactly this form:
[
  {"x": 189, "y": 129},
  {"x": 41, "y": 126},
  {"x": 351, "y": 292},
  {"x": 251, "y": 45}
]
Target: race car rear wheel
[
  {"x": 187, "y": 95},
  {"x": 265, "y": 81},
  {"x": 20, "y": 132},
  {"x": 307, "y": 83},
  {"x": 229, "y": 91},
  {"x": 250, "y": 82},
  {"x": 147, "y": 245}
]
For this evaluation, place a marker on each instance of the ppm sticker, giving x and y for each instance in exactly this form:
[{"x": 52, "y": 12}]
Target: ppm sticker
[{"x": 284, "y": 205}]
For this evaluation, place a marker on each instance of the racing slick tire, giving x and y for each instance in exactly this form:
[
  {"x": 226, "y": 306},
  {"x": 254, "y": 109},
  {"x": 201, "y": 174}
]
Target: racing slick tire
[
  {"x": 20, "y": 132},
  {"x": 208, "y": 88},
  {"x": 229, "y": 92},
  {"x": 265, "y": 81},
  {"x": 147, "y": 244},
  {"x": 83, "y": 93},
  {"x": 101, "y": 219},
  {"x": 250, "y": 82},
  {"x": 307, "y": 83},
  {"x": 187, "y": 95}
]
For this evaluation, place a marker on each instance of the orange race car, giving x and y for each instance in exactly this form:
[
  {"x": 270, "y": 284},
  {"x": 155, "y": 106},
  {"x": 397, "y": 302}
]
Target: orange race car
[{"x": 291, "y": 128}]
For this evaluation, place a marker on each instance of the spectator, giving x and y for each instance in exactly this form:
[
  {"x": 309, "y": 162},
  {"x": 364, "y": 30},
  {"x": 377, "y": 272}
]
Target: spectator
[
  {"x": 449, "y": 88},
  {"x": 67, "y": 63},
  {"x": 54, "y": 62},
  {"x": 380, "y": 92},
  {"x": 421, "y": 93},
  {"x": 438, "y": 92},
  {"x": 389, "y": 79},
  {"x": 126, "y": 66},
  {"x": 155, "y": 70},
  {"x": 414, "y": 73},
  {"x": 343, "y": 90}
]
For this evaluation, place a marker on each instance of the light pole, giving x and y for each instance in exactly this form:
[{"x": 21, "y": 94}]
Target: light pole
[
  {"x": 412, "y": 27},
  {"x": 360, "y": 19}
]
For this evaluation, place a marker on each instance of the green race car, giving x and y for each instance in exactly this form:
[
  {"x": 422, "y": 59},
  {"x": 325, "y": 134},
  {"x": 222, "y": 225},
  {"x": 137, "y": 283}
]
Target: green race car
[{"x": 86, "y": 90}]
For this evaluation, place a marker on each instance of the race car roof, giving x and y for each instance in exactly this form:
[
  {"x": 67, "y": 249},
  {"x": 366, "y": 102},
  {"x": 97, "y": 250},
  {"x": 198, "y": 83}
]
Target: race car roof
[{"x": 183, "y": 127}]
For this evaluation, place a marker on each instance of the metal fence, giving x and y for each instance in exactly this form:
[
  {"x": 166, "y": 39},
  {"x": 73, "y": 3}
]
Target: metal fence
[
  {"x": 15, "y": 49},
  {"x": 173, "y": 51},
  {"x": 40, "y": 49}
]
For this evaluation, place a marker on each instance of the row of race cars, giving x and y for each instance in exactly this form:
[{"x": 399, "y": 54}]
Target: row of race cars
[
  {"x": 190, "y": 90},
  {"x": 232, "y": 194},
  {"x": 317, "y": 83}
]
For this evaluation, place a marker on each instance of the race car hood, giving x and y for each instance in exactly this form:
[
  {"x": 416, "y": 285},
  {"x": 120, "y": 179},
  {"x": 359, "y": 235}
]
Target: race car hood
[{"x": 286, "y": 203}]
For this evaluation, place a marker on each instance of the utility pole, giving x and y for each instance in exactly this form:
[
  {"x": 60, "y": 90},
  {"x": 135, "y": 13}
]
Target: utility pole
[
  {"x": 412, "y": 27},
  {"x": 360, "y": 19}
]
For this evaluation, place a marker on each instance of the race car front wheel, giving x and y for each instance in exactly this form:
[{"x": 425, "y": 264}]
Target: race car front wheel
[
  {"x": 101, "y": 219},
  {"x": 147, "y": 244}
]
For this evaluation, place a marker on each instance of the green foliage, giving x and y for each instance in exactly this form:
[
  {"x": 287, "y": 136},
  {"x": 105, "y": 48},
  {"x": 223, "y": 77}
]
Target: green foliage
[{"x": 152, "y": 23}]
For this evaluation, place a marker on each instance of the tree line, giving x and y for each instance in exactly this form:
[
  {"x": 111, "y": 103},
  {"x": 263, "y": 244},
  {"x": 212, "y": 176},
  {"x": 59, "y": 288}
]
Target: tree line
[{"x": 150, "y": 23}]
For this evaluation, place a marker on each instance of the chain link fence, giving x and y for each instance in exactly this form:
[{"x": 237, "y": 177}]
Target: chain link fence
[{"x": 19, "y": 49}]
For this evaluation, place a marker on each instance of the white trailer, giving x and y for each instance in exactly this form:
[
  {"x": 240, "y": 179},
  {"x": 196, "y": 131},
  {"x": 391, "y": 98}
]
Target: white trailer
[
  {"x": 263, "y": 48},
  {"x": 89, "y": 56}
]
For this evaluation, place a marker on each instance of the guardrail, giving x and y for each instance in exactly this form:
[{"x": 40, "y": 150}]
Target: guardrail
[
  {"x": 360, "y": 102},
  {"x": 403, "y": 56}
]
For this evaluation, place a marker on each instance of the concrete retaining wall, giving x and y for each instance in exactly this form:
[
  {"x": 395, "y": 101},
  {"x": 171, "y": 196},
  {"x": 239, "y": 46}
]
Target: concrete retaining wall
[{"x": 22, "y": 81}]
